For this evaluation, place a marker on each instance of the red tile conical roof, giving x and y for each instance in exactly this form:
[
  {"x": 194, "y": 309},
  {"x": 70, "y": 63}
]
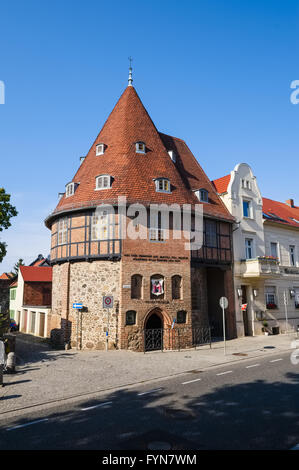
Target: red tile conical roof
[{"x": 133, "y": 173}]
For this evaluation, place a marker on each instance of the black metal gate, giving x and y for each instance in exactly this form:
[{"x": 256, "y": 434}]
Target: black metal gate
[{"x": 153, "y": 339}]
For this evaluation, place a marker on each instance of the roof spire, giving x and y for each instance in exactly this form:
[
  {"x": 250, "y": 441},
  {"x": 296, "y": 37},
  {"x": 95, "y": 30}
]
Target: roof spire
[{"x": 130, "y": 81}]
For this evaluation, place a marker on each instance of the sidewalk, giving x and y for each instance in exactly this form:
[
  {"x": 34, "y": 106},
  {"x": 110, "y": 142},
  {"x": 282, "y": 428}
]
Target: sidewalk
[{"x": 45, "y": 375}]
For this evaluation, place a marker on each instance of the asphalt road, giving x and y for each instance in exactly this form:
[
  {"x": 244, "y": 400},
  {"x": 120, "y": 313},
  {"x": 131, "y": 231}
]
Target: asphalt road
[{"x": 251, "y": 404}]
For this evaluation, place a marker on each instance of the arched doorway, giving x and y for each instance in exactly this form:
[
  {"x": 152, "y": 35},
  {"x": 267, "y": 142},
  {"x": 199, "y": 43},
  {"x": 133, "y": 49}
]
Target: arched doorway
[
  {"x": 154, "y": 321},
  {"x": 153, "y": 331}
]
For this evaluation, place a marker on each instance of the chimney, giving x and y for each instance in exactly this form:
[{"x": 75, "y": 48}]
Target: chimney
[{"x": 290, "y": 202}]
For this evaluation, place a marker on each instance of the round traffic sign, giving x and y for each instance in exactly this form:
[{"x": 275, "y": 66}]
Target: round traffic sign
[
  {"x": 223, "y": 302},
  {"x": 108, "y": 301}
]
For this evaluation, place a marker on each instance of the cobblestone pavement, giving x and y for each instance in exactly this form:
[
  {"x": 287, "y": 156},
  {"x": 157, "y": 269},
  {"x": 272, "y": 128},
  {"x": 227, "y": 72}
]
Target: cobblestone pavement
[{"x": 44, "y": 375}]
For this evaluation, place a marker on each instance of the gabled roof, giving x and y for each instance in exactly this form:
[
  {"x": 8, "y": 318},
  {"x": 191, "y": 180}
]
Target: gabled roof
[
  {"x": 40, "y": 261},
  {"x": 36, "y": 273},
  {"x": 6, "y": 276},
  {"x": 133, "y": 174}
]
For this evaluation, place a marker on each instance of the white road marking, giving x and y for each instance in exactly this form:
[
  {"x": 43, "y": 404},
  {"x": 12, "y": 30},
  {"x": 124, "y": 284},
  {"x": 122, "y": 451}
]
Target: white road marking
[
  {"x": 27, "y": 424},
  {"x": 227, "y": 372},
  {"x": 276, "y": 360},
  {"x": 253, "y": 365},
  {"x": 150, "y": 391},
  {"x": 190, "y": 381},
  {"x": 96, "y": 406}
]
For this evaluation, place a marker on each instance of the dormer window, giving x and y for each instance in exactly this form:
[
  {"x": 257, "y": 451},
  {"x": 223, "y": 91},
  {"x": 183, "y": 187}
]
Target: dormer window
[
  {"x": 162, "y": 185},
  {"x": 172, "y": 155},
  {"x": 140, "y": 147},
  {"x": 103, "y": 182},
  {"x": 70, "y": 189},
  {"x": 202, "y": 195},
  {"x": 100, "y": 149}
]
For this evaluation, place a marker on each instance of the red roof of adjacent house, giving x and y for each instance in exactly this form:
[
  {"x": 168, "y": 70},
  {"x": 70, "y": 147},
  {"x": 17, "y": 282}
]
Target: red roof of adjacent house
[
  {"x": 273, "y": 211},
  {"x": 36, "y": 273},
  {"x": 6, "y": 276},
  {"x": 221, "y": 184},
  {"x": 39, "y": 262},
  {"x": 132, "y": 173},
  {"x": 280, "y": 212}
]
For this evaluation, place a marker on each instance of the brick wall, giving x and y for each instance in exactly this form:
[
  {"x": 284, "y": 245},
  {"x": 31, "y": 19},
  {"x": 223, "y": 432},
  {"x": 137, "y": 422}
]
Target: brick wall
[{"x": 37, "y": 293}]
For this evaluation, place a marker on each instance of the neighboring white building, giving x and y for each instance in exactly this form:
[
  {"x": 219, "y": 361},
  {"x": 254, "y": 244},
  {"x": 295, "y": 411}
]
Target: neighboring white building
[
  {"x": 266, "y": 254},
  {"x": 30, "y": 299}
]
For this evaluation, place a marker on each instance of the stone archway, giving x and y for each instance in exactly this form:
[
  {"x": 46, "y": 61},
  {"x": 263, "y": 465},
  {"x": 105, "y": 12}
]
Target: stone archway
[
  {"x": 153, "y": 330},
  {"x": 154, "y": 321}
]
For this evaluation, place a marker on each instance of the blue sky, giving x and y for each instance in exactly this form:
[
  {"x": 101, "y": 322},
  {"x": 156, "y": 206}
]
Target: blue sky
[{"x": 215, "y": 73}]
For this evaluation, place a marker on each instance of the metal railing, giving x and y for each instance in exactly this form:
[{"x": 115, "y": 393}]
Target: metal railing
[{"x": 164, "y": 339}]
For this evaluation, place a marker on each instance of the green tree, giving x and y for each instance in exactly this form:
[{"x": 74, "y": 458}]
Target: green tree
[{"x": 7, "y": 211}]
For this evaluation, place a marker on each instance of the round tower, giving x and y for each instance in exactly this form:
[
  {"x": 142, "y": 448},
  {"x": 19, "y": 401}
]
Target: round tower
[{"x": 105, "y": 243}]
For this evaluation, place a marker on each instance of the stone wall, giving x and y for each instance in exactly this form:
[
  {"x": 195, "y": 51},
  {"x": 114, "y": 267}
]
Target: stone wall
[{"x": 87, "y": 283}]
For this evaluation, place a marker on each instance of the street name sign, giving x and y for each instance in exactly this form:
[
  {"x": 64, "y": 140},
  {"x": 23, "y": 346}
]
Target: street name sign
[{"x": 77, "y": 305}]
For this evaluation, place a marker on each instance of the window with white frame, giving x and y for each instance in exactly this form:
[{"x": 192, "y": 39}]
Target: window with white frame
[
  {"x": 247, "y": 209},
  {"x": 246, "y": 184},
  {"x": 274, "y": 249},
  {"x": 62, "y": 231},
  {"x": 100, "y": 149},
  {"x": 103, "y": 182},
  {"x": 100, "y": 226},
  {"x": 248, "y": 248},
  {"x": 140, "y": 147},
  {"x": 202, "y": 195},
  {"x": 270, "y": 297},
  {"x": 162, "y": 185},
  {"x": 69, "y": 189},
  {"x": 292, "y": 255},
  {"x": 156, "y": 231}
]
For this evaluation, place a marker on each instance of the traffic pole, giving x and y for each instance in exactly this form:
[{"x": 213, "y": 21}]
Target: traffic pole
[
  {"x": 285, "y": 298},
  {"x": 107, "y": 332},
  {"x": 224, "y": 335}
]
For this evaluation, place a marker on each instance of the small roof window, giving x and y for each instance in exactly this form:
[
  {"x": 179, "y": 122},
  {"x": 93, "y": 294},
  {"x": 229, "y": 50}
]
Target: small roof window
[
  {"x": 70, "y": 189},
  {"x": 162, "y": 185},
  {"x": 100, "y": 149},
  {"x": 202, "y": 195},
  {"x": 140, "y": 147},
  {"x": 103, "y": 182}
]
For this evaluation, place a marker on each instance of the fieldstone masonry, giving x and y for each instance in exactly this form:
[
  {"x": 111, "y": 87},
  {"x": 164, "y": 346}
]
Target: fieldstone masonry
[{"x": 86, "y": 283}]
